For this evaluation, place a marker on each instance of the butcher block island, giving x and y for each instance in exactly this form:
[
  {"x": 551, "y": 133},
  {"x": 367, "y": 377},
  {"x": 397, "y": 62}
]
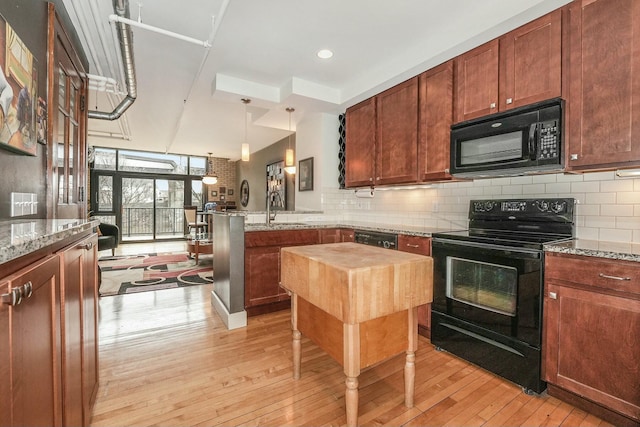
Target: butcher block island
[{"x": 359, "y": 304}]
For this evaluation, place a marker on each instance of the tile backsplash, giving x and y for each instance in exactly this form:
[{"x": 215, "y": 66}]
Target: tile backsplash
[{"x": 608, "y": 207}]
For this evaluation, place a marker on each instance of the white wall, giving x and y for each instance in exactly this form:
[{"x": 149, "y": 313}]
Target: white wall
[
  {"x": 608, "y": 207},
  {"x": 317, "y": 137}
]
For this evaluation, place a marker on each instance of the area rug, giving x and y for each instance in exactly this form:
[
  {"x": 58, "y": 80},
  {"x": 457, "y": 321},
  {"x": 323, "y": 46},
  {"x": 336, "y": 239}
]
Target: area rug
[{"x": 129, "y": 274}]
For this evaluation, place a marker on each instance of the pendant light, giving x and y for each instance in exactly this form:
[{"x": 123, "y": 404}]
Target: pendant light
[
  {"x": 245, "y": 145},
  {"x": 289, "y": 161},
  {"x": 210, "y": 178}
]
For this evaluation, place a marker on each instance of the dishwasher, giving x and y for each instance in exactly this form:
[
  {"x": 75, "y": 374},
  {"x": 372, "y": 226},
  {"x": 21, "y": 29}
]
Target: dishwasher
[{"x": 376, "y": 238}]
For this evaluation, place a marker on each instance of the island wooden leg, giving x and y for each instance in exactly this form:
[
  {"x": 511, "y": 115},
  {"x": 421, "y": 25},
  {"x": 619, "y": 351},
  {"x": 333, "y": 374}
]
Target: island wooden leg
[
  {"x": 297, "y": 352},
  {"x": 351, "y": 401},
  {"x": 410, "y": 364},
  {"x": 352, "y": 370}
]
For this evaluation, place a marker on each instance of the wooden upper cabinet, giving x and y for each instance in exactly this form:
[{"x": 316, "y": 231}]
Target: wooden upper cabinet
[
  {"x": 477, "y": 82},
  {"x": 360, "y": 143},
  {"x": 603, "y": 125},
  {"x": 435, "y": 89},
  {"x": 521, "y": 67},
  {"x": 531, "y": 62},
  {"x": 397, "y": 134}
]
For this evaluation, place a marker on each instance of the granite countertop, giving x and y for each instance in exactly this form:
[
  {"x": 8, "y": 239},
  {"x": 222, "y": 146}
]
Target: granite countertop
[
  {"x": 21, "y": 237},
  {"x": 597, "y": 248},
  {"x": 387, "y": 228}
]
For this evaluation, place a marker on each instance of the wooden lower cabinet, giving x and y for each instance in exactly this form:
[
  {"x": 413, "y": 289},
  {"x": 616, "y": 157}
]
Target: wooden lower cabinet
[
  {"x": 421, "y": 246},
  {"x": 48, "y": 337},
  {"x": 262, "y": 291},
  {"x": 30, "y": 335},
  {"x": 592, "y": 335}
]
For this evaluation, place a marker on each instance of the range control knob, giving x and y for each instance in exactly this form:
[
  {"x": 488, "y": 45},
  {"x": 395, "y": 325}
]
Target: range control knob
[
  {"x": 543, "y": 205},
  {"x": 557, "y": 207}
]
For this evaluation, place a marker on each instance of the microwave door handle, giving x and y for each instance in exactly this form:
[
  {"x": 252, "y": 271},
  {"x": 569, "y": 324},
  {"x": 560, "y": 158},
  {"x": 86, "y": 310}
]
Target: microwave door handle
[{"x": 532, "y": 141}]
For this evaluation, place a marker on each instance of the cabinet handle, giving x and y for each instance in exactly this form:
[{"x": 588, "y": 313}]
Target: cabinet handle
[
  {"x": 574, "y": 157},
  {"x": 27, "y": 289},
  {"x": 553, "y": 295},
  {"x": 493, "y": 105},
  {"x": 604, "y": 276},
  {"x": 12, "y": 298},
  {"x": 509, "y": 101},
  {"x": 87, "y": 246},
  {"x": 412, "y": 246}
]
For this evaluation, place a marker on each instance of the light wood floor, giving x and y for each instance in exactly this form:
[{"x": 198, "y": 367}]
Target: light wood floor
[{"x": 167, "y": 359}]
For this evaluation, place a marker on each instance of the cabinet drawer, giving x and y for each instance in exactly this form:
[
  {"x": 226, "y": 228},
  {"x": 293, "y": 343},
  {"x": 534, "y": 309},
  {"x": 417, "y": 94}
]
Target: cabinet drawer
[
  {"x": 414, "y": 244},
  {"x": 281, "y": 238},
  {"x": 613, "y": 275}
]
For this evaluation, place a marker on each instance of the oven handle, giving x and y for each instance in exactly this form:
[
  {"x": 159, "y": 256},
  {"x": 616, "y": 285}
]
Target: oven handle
[{"x": 460, "y": 243}]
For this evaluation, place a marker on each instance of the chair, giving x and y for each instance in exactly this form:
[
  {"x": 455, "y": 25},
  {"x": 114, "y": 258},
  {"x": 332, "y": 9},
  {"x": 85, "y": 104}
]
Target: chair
[
  {"x": 190, "y": 214},
  {"x": 108, "y": 237}
]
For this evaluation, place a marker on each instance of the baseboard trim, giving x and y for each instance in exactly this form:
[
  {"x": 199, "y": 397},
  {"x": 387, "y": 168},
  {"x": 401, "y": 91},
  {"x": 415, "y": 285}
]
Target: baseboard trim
[{"x": 231, "y": 320}]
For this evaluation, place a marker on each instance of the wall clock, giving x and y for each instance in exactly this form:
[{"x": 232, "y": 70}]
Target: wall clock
[{"x": 244, "y": 193}]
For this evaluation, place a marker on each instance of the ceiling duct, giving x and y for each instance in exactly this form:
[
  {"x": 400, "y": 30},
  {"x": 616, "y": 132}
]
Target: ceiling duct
[{"x": 125, "y": 37}]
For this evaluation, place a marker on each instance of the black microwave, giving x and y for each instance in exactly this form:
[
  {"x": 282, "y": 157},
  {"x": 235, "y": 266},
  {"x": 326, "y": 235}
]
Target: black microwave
[{"x": 525, "y": 140}]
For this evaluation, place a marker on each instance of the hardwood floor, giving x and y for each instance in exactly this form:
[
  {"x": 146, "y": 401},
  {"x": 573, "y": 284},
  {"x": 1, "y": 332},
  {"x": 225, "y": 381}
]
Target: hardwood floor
[{"x": 167, "y": 359}]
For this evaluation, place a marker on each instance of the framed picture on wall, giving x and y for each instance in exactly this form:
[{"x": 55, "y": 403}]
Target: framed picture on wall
[
  {"x": 214, "y": 193},
  {"x": 305, "y": 174},
  {"x": 230, "y": 192},
  {"x": 18, "y": 93}
]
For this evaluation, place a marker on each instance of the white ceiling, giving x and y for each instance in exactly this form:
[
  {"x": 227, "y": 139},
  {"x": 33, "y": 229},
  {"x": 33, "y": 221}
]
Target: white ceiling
[{"x": 189, "y": 97}]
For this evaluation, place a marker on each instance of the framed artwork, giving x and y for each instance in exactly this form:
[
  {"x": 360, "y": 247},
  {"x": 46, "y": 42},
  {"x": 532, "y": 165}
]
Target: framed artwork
[
  {"x": 214, "y": 193},
  {"x": 276, "y": 186},
  {"x": 222, "y": 190},
  {"x": 230, "y": 192},
  {"x": 18, "y": 94},
  {"x": 305, "y": 174}
]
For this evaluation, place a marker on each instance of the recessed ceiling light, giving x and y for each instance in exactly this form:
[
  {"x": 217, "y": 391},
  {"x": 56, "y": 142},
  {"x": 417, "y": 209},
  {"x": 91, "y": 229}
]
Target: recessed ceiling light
[{"x": 324, "y": 54}]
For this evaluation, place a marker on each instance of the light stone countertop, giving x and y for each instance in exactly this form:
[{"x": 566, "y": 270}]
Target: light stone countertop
[
  {"x": 597, "y": 248},
  {"x": 365, "y": 226},
  {"x": 21, "y": 237}
]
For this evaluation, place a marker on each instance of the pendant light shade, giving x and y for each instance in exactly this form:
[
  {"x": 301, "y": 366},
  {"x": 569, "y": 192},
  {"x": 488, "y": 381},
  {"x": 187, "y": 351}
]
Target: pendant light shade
[
  {"x": 245, "y": 152},
  {"x": 210, "y": 177},
  {"x": 245, "y": 145},
  {"x": 289, "y": 157}
]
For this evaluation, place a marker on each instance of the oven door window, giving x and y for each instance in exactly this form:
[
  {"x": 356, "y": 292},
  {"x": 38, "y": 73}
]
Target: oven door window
[{"x": 481, "y": 284}]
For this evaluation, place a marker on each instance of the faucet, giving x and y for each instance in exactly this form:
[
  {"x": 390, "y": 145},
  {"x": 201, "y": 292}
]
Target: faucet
[{"x": 271, "y": 195}]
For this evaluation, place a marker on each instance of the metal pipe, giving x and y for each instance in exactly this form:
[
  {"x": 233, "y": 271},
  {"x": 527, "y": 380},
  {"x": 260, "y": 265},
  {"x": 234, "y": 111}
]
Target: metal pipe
[
  {"x": 121, "y": 7},
  {"x": 116, "y": 18}
]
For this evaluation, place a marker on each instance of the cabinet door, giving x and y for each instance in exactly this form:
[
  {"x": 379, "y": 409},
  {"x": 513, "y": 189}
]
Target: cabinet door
[
  {"x": 530, "y": 62},
  {"x": 476, "y": 83},
  {"x": 5, "y": 358},
  {"x": 89, "y": 326},
  {"x": 329, "y": 235},
  {"x": 68, "y": 121},
  {"x": 72, "y": 266},
  {"x": 592, "y": 346},
  {"x": 34, "y": 346},
  {"x": 347, "y": 235},
  {"x": 604, "y": 116},
  {"x": 397, "y": 138},
  {"x": 360, "y": 144},
  {"x": 79, "y": 339},
  {"x": 262, "y": 275},
  {"x": 436, "y": 114},
  {"x": 421, "y": 246}
]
